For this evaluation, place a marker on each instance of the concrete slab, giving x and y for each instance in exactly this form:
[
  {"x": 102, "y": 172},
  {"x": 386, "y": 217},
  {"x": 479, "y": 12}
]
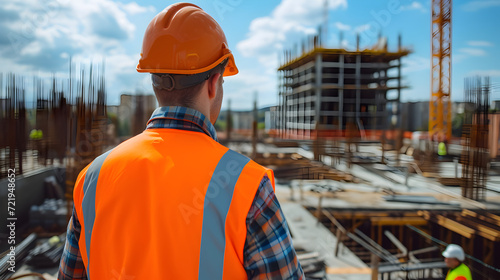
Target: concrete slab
[{"x": 314, "y": 237}]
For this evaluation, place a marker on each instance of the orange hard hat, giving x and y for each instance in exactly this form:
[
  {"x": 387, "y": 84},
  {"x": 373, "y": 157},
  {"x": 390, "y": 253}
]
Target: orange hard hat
[{"x": 184, "y": 39}]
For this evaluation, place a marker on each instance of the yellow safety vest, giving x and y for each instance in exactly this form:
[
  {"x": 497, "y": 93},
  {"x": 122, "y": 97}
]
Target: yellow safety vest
[
  {"x": 460, "y": 272},
  {"x": 442, "y": 149}
]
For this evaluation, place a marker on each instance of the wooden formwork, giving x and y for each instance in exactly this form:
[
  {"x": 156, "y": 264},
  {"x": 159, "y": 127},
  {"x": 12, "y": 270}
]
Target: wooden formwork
[
  {"x": 425, "y": 233},
  {"x": 295, "y": 166}
]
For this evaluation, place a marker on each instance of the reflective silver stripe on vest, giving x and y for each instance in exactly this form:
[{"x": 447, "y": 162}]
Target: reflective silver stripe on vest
[
  {"x": 217, "y": 201},
  {"x": 88, "y": 202}
]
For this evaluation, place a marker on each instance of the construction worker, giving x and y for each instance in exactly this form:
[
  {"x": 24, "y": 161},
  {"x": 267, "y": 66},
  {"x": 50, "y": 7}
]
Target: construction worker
[
  {"x": 171, "y": 202},
  {"x": 442, "y": 149},
  {"x": 36, "y": 134},
  {"x": 453, "y": 257},
  {"x": 442, "y": 145}
]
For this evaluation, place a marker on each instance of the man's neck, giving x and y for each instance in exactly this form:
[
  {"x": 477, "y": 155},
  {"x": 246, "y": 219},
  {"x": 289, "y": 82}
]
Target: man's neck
[{"x": 457, "y": 266}]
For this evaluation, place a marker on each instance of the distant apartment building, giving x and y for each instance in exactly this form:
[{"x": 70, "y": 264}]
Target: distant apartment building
[
  {"x": 495, "y": 105},
  {"x": 271, "y": 119},
  {"x": 330, "y": 89}
]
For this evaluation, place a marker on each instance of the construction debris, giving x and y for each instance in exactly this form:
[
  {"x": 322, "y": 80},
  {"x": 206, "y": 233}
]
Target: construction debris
[
  {"x": 21, "y": 251},
  {"x": 48, "y": 254}
]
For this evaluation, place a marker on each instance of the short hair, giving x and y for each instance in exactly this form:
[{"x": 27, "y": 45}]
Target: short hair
[
  {"x": 185, "y": 96},
  {"x": 178, "y": 97}
]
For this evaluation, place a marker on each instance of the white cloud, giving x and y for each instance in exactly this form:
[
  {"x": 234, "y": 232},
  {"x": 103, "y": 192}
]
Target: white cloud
[
  {"x": 479, "y": 43},
  {"x": 414, "y": 6},
  {"x": 41, "y": 32},
  {"x": 488, "y": 73},
  {"x": 480, "y": 4},
  {"x": 288, "y": 24},
  {"x": 414, "y": 63},
  {"x": 40, "y": 37},
  {"x": 134, "y": 8},
  {"x": 290, "y": 21},
  {"x": 476, "y": 50},
  {"x": 32, "y": 49},
  {"x": 472, "y": 51},
  {"x": 345, "y": 44},
  {"x": 362, "y": 28},
  {"x": 240, "y": 89},
  {"x": 120, "y": 72},
  {"x": 342, "y": 27}
]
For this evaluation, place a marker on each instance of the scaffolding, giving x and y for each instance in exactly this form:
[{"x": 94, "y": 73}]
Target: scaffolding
[{"x": 322, "y": 91}]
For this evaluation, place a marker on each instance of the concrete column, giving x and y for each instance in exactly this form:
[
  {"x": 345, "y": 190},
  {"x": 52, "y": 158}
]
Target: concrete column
[
  {"x": 285, "y": 102},
  {"x": 358, "y": 86},
  {"x": 280, "y": 92},
  {"x": 301, "y": 110},
  {"x": 341, "y": 91},
  {"x": 318, "y": 83},
  {"x": 388, "y": 114},
  {"x": 281, "y": 114},
  {"x": 398, "y": 103}
]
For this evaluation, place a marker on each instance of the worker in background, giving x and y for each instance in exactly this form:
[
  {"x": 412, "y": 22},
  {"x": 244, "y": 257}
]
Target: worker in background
[
  {"x": 36, "y": 134},
  {"x": 453, "y": 257},
  {"x": 442, "y": 149},
  {"x": 441, "y": 137},
  {"x": 171, "y": 202}
]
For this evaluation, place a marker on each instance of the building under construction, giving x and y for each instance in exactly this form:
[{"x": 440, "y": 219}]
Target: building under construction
[{"x": 322, "y": 91}]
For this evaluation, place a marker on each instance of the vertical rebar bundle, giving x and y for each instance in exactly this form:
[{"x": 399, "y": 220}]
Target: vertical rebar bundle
[
  {"x": 12, "y": 124},
  {"x": 57, "y": 127},
  {"x": 475, "y": 155},
  {"x": 87, "y": 124}
]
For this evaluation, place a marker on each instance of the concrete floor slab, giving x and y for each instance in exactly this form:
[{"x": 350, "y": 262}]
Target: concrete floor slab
[{"x": 314, "y": 237}]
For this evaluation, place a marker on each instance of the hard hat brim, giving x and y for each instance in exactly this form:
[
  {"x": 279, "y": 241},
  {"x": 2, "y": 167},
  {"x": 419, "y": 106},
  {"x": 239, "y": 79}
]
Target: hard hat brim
[{"x": 230, "y": 70}]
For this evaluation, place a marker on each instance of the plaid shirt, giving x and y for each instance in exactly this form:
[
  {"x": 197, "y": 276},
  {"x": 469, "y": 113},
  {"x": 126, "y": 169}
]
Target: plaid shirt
[{"x": 268, "y": 251}]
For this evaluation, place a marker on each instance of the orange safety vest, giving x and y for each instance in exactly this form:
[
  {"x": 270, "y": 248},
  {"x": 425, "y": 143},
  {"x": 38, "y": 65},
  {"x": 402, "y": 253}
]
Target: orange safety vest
[{"x": 166, "y": 204}]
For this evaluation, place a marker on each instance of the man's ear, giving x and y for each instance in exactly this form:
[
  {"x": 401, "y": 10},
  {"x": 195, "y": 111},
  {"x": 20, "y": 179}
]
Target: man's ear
[{"x": 213, "y": 85}]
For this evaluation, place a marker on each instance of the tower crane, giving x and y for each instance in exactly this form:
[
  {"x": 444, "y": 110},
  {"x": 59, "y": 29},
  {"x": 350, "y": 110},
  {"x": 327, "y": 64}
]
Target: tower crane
[{"x": 440, "y": 103}]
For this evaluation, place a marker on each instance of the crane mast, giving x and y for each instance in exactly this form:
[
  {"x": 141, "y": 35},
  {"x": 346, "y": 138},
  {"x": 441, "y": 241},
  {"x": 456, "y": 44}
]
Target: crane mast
[{"x": 440, "y": 103}]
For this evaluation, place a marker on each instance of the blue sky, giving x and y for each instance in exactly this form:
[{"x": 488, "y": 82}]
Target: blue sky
[{"x": 39, "y": 37}]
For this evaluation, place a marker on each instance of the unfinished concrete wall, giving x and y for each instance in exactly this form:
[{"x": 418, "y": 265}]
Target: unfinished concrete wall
[{"x": 29, "y": 191}]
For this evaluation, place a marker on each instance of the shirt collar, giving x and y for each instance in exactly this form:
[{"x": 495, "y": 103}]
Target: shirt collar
[{"x": 177, "y": 117}]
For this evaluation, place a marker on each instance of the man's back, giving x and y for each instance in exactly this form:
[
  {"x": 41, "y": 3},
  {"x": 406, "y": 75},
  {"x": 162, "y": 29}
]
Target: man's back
[
  {"x": 172, "y": 202},
  {"x": 175, "y": 201}
]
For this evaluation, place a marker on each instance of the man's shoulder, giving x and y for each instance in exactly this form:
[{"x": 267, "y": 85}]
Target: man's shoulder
[
  {"x": 255, "y": 172},
  {"x": 250, "y": 162}
]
